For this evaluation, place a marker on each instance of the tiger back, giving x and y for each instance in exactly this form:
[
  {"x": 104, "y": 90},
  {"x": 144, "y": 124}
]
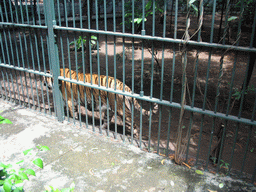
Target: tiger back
[{"x": 87, "y": 95}]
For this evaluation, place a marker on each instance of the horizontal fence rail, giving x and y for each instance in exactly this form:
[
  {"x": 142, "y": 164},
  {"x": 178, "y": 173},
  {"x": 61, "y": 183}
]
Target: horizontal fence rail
[{"x": 189, "y": 66}]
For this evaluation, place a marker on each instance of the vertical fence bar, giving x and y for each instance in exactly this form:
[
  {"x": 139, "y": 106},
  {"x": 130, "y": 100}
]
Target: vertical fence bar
[
  {"x": 38, "y": 13},
  {"x": 80, "y": 14},
  {"x": 5, "y": 90},
  {"x": 58, "y": 11},
  {"x": 173, "y": 71},
  {"x": 13, "y": 88},
  {"x": 132, "y": 111},
  {"x": 200, "y": 22},
  {"x": 22, "y": 60},
  {"x": 85, "y": 95},
  {"x": 246, "y": 149},
  {"x": 114, "y": 29},
  {"x": 53, "y": 58},
  {"x": 106, "y": 59},
  {"x": 8, "y": 83},
  {"x": 73, "y": 13},
  {"x": 65, "y": 13},
  {"x": 78, "y": 90},
  {"x": 123, "y": 30},
  {"x": 6, "y": 48},
  {"x": 231, "y": 85},
  {"x": 207, "y": 78}
]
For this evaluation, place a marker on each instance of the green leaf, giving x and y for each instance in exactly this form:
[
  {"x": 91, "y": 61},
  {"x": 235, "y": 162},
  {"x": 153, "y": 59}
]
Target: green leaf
[
  {"x": 38, "y": 162},
  {"x": 148, "y": 6},
  {"x": 8, "y": 166},
  {"x": 93, "y": 37},
  {"x": 27, "y": 151},
  {"x": 199, "y": 172},
  {"x": 232, "y": 18},
  {"x": 221, "y": 185},
  {"x": 5, "y": 121},
  {"x": 23, "y": 176},
  {"x": 19, "y": 181},
  {"x": 93, "y": 42},
  {"x": 7, "y": 185},
  {"x": 44, "y": 148},
  {"x": 139, "y": 20},
  {"x": 30, "y": 172},
  {"x": 194, "y": 7},
  {"x": 191, "y": 1},
  {"x": 3, "y": 165}
]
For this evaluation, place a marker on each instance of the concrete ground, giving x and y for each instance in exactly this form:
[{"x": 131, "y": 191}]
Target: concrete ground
[{"x": 94, "y": 162}]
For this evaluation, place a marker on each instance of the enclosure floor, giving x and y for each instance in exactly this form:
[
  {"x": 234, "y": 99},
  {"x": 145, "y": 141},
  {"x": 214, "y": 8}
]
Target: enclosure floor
[{"x": 95, "y": 162}]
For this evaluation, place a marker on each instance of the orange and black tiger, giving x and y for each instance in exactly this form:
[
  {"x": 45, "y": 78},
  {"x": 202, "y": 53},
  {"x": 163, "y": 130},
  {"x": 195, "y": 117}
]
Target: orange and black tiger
[{"x": 85, "y": 93}]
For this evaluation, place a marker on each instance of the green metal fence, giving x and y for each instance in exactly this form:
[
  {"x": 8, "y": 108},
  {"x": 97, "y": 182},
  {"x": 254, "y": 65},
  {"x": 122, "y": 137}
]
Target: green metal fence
[{"x": 194, "y": 59}]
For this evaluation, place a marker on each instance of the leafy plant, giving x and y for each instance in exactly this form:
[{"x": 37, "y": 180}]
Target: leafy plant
[
  {"x": 224, "y": 164},
  {"x": 249, "y": 8},
  {"x": 4, "y": 120},
  {"x": 193, "y": 5},
  {"x": 13, "y": 175},
  {"x": 138, "y": 16},
  {"x": 81, "y": 41},
  {"x": 237, "y": 95},
  {"x": 51, "y": 189}
]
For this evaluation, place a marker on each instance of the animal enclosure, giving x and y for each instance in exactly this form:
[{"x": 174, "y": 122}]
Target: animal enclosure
[{"x": 194, "y": 60}]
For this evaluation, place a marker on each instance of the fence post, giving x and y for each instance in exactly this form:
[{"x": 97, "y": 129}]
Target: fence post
[{"x": 54, "y": 61}]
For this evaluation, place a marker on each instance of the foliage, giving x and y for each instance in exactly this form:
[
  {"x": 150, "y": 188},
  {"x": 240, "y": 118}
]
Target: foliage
[
  {"x": 192, "y": 4},
  {"x": 249, "y": 10},
  {"x": 199, "y": 172},
  {"x": 4, "y": 120},
  {"x": 237, "y": 95},
  {"x": 51, "y": 189},
  {"x": 78, "y": 43},
  {"x": 224, "y": 164},
  {"x": 13, "y": 175},
  {"x": 138, "y": 15}
]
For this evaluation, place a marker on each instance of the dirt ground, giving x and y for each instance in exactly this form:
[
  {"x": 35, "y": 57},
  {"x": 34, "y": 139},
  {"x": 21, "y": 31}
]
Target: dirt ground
[{"x": 166, "y": 120}]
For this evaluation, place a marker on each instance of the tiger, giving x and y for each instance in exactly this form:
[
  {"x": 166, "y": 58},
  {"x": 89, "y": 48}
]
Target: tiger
[{"x": 87, "y": 93}]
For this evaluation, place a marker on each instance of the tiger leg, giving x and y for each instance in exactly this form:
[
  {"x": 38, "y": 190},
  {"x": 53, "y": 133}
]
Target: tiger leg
[
  {"x": 70, "y": 107},
  {"x": 105, "y": 122},
  {"x": 128, "y": 125}
]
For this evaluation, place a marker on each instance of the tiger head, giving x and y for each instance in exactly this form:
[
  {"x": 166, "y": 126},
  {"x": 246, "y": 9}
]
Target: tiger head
[{"x": 48, "y": 81}]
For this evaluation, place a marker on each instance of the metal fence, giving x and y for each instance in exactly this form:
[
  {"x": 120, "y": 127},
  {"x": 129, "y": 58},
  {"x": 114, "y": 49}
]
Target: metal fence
[{"x": 194, "y": 59}]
